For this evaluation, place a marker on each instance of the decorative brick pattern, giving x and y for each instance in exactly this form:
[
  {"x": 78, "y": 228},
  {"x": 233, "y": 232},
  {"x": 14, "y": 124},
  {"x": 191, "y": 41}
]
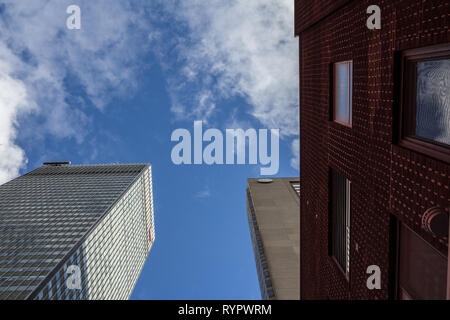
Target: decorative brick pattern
[{"x": 386, "y": 180}]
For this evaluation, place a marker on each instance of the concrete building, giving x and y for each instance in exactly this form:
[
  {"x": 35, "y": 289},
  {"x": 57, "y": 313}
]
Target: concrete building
[
  {"x": 273, "y": 210},
  {"x": 375, "y": 148},
  {"x": 75, "y": 232}
]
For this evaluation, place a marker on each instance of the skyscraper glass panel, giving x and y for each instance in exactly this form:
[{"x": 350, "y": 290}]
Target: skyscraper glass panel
[{"x": 75, "y": 232}]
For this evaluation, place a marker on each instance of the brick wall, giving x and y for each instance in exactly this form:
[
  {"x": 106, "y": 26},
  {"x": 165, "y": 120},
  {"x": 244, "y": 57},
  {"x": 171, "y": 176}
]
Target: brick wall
[
  {"x": 307, "y": 12},
  {"x": 386, "y": 179}
]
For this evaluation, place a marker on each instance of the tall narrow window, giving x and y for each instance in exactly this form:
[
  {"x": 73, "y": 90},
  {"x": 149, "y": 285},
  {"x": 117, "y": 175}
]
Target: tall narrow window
[
  {"x": 340, "y": 224},
  {"x": 342, "y": 92},
  {"x": 425, "y": 104}
]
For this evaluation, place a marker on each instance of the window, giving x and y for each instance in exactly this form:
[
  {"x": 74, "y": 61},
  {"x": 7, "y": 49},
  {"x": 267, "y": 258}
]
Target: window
[
  {"x": 340, "y": 221},
  {"x": 422, "y": 270},
  {"x": 342, "y": 92},
  {"x": 425, "y": 104}
]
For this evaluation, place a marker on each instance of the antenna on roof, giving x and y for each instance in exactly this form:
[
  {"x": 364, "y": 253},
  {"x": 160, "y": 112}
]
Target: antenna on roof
[{"x": 57, "y": 164}]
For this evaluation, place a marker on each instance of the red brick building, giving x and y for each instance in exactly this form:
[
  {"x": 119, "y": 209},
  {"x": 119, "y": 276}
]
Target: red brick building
[{"x": 374, "y": 128}]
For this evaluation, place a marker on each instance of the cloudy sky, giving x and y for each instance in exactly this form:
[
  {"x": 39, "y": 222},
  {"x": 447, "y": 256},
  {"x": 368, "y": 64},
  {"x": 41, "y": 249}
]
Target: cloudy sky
[{"x": 115, "y": 90}]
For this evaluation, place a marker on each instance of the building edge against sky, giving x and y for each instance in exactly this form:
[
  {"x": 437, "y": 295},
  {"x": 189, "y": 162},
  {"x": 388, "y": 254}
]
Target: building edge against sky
[
  {"x": 273, "y": 211},
  {"x": 107, "y": 231}
]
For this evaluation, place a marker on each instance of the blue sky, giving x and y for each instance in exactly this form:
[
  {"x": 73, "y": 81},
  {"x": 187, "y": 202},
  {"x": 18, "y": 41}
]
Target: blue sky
[{"x": 115, "y": 91}]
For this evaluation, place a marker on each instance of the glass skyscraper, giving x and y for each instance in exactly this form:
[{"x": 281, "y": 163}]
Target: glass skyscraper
[{"x": 75, "y": 231}]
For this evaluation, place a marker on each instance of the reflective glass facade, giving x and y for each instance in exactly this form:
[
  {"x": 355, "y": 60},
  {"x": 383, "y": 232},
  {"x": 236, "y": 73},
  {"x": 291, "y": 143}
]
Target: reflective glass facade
[{"x": 98, "y": 218}]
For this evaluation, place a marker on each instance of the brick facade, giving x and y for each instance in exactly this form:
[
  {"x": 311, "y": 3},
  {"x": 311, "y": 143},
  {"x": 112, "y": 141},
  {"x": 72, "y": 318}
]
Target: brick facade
[{"x": 389, "y": 182}]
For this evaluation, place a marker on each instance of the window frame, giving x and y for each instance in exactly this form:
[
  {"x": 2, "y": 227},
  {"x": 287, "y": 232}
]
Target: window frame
[
  {"x": 350, "y": 93},
  {"x": 408, "y": 103}
]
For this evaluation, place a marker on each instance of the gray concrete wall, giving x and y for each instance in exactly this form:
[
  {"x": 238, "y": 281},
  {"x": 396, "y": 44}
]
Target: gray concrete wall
[{"x": 277, "y": 210}]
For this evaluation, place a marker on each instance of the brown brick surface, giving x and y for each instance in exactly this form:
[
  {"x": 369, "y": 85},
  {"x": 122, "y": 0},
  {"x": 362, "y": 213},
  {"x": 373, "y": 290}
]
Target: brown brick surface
[{"x": 386, "y": 180}]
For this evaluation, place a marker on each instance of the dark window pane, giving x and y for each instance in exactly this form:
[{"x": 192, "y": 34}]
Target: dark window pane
[
  {"x": 341, "y": 221},
  {"x": 423, "y": 270}
]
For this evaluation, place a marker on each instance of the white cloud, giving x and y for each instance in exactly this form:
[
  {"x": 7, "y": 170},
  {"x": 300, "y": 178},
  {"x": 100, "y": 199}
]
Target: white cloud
[
  {"x": 235, "y": 49},
  {"x": 244, "y": 48},
  {"x": 37, "y": 55},
  {"x": 13, "y": 101},
  {"x": 205, "y": 105}
]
